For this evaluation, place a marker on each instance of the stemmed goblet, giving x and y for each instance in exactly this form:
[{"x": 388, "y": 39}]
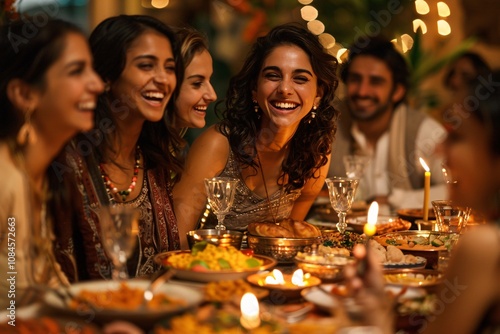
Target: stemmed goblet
[
  {"x": 220, "y": 195},
  {"x": 355, "y": 166},
  {"x": 119, "y": 227},
  {"x": 341, "y": 191}
]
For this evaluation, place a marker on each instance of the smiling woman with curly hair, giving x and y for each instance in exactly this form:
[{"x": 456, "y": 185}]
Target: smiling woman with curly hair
[{"x": 275, "y": 136}]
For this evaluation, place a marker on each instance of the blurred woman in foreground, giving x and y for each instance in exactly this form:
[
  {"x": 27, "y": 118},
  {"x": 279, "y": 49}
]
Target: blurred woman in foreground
[
  {"x": 470, "y": 297},
  {"x": 48, "y": 91}
]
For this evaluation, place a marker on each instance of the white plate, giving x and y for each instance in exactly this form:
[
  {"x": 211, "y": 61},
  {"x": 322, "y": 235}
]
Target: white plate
[
  {"x": 323, "y": 299},
  {"x": 219, "y": 275},
  {"x": 420, "y": 264},
  {"x": 327, "y": 301},
  {"x": 192, "y": 297}
]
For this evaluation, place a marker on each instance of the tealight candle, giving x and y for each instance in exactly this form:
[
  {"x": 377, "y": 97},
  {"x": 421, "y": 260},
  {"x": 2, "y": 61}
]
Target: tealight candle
[
  {"x": 275, "y": 278},
  {"x": 250, "y": 312},
  {"x": 427, "y": 189},
  {"x": 298, "y": 278}
]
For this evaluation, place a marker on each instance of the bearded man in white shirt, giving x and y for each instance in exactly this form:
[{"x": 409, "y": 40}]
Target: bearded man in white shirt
[{"x": 379, "y": 124}]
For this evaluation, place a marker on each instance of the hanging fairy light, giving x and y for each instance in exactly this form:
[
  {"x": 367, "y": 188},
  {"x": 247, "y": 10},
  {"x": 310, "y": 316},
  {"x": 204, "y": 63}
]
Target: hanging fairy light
[
  {"x": 317, "y": 28},
  {"x": 309, "y": 13},
  {"x": 422, "y": 7},
  {"x": 443, "y": 9},
  {"x": 418, "y": 23},
  {"x": 444, "y": 28}
]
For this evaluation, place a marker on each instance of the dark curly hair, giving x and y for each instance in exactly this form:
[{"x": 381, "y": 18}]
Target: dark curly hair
[
  {"x": 109, "y": 43},
  {"x": 240, "y": 124}
]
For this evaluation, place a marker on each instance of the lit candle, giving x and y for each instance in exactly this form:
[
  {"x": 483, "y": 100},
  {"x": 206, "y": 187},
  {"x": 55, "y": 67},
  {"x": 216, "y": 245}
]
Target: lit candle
[
  {"x": 371, "y": 222},
  {"x": 298, "y": 278},
  {"x": 427, "y": 189},
  {"x": 275, "y": 278},
  {"x": 250, "y": 313},
  {"x": 369, "y": 229}
]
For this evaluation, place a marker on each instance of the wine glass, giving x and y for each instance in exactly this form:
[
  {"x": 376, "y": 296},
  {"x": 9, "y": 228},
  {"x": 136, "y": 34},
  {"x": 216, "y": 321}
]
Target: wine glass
[
  {"x": 341, "y": 191},
  {"x": 220, "y": 195},
  {"x": 355, "y": 166},
  {"x": 119, "y": 227}
]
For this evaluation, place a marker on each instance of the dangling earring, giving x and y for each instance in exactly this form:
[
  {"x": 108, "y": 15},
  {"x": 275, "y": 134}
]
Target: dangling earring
[
  {"x": 256, "y": 108},
  {"x": 107, "y": 87},
  {"x": 26, "y": 134},
  {"x": 313, "y": 114}
]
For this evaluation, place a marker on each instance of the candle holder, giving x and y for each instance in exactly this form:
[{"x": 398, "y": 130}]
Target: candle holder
[{"x": 283, "y": 288}]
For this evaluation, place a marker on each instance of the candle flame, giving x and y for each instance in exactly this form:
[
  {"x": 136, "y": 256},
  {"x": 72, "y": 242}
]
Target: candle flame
[
  {"x": 298, "y": 278},
  {"x": 370, "y": 227},
  {"x": 250, "y": 312},
  {"x": 424, "y": 165},
  {"x": 276, "y": 277}
]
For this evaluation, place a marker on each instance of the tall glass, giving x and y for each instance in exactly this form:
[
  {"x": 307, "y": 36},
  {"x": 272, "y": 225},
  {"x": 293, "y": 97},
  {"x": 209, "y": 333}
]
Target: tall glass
[
  {"x": 341, "y": 191},
  {"x": 119, "y": 227},
  {"x": 355, "y": 166},
  {"x": 220, "y": 195}
]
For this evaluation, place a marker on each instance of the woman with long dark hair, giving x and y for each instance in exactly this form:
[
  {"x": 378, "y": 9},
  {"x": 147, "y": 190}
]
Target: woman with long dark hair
[
  {"x": 275, "y": 135},
  {"x": 126, "y": 160},
  {"x": 48, "y": 91}
]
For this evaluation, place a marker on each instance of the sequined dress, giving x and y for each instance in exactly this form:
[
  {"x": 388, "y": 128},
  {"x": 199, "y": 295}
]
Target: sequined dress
[{"x": 249, "y": 207}]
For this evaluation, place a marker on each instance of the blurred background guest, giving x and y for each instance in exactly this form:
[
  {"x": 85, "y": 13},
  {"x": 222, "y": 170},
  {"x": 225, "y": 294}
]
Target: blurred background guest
[
  {"x": 193, "y": 94},
  {"x": 48, "y": 91},
  {"x": 280, "y": 102},
  {"x": 129, "y": 162},
  {"x": 378, "y": 123}
]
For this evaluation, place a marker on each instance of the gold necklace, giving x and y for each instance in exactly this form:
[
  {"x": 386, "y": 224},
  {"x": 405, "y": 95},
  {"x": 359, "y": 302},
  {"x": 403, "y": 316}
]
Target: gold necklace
[{"x": 275, "y": 212}]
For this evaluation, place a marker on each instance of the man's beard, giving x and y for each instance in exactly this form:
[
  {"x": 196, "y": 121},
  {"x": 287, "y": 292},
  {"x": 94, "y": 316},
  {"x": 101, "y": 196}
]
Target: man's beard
[{"x": 361, "y": 116}]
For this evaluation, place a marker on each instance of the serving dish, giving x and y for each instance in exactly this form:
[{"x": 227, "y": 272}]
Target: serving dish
[
  {"x": 384, "y": 224},
  {"x": 218, "y": 237},
  {"x": 415, "y": 213},
  {"x": 214, "y": 275},
  {"x": 327, "y": 268},
  {"x": 329, "y": 297},
  {"x": 422, "y": 278},
  {"x": 283, "y": 250},
  {"x": 286, "y": 291},
  {"x": 418, "y": 264},
  {"x": 188, "y": 298},
  {"x": 418, "y": 240}
]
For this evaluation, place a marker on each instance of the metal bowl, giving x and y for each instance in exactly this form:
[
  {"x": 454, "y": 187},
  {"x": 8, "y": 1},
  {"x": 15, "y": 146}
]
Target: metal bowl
[
  {"x": 217, "y": 237},
  {"x": 332, "y": 270},
  {"x": 282, "y": 250}
]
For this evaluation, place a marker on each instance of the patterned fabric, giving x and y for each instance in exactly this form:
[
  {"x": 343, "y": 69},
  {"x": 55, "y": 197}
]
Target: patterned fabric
[
  {"x": 158, "y": 230},
  {"x": 249, "y": 207}
]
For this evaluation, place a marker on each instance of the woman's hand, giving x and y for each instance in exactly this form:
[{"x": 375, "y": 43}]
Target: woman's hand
[
  {"x": 367, "y": 289},
  {"x": 121, "y": 327}
]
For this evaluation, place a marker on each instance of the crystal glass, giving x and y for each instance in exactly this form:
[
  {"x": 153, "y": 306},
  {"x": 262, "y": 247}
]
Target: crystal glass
[
  {"x": 447, "y": 175},
  {"x": 119, "y": 227},
  {"x": 355, "y": 166},
  {"x": 220, "y": 195},
  {"x": 341, "y": 191},
  {"x": 450, "y": 217}
]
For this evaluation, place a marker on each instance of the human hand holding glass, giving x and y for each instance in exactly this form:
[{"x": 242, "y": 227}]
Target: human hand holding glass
[
  {"x": 220, "y": 195},
  {"x": 341, "y": 191},
  {"x": 119, "y": 227}
]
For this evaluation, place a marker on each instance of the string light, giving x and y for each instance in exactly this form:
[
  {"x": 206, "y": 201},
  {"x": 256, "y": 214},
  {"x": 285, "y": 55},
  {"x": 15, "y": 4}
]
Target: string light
[
  {"x": 404, "y": 42},
  {"x": 422, "y": 7},
  {"x": 443, "y": 9}
]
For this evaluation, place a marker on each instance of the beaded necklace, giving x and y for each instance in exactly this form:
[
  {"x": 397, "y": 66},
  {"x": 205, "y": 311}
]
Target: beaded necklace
[{"x": 110, "y": 187}]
